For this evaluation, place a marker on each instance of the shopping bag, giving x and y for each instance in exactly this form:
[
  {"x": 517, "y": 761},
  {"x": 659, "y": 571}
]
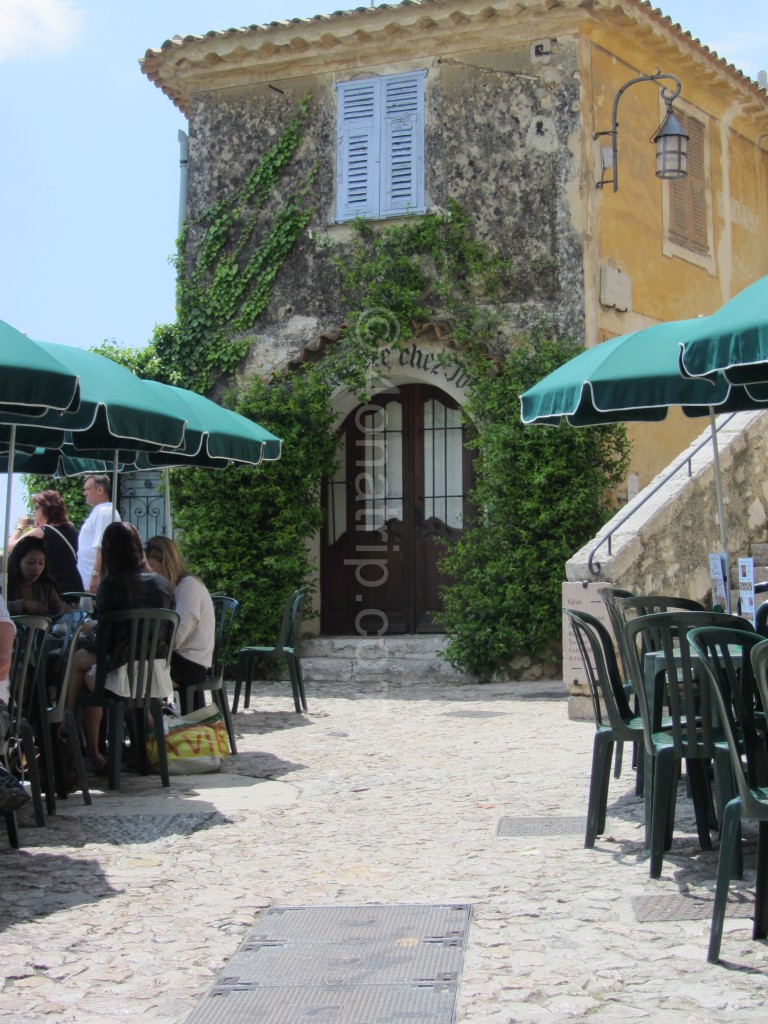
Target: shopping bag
[{"x": 195, "y": 744}]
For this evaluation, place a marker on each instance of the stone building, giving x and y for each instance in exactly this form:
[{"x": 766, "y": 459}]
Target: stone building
[{"x": 494, "y": 105}]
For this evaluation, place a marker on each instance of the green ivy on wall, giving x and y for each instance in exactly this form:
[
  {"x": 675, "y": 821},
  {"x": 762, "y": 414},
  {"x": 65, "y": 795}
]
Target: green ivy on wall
[{"x": 238, "y": 252}]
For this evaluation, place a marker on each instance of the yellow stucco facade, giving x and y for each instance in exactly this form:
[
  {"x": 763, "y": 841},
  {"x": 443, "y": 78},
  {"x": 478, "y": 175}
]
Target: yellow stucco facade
[{"x": 627, "y": 232}]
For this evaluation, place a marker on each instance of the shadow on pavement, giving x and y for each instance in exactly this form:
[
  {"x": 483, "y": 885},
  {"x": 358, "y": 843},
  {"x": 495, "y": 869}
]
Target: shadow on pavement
[{"x": 38, "y": 884}]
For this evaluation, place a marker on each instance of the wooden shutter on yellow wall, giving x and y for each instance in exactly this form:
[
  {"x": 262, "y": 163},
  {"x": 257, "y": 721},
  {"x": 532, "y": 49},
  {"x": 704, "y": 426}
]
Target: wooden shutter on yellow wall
[{"x": 688, "y": 196}]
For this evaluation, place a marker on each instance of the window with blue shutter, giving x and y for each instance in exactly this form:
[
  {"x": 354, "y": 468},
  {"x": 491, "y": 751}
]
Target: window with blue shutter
[{"x": 380, "y": 156}]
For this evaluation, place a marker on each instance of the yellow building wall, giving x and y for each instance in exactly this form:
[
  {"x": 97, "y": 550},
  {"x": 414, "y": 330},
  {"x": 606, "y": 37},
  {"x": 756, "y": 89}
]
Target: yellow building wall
[{"x": 627, "y": 230}]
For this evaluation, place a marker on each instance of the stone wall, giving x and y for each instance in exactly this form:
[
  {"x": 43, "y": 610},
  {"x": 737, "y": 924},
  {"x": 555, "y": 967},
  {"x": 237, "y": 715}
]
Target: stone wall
[{"x": 500, "y": 127}]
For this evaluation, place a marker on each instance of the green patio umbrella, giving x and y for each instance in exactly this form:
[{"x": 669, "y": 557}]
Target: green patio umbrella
[
  {"x": 215, "y": 437},
  {"x": 107, "y": 413},
  {"x": 33, "y": 384},
  {"x": 117, "y": 411},
  {"x": 32, "y": 381},
  {"x": 635, "y": 377},
  {"x": 732, "y": 341}
]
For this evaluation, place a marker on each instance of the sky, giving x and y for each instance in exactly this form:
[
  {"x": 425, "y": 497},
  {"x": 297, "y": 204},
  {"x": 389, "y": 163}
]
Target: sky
[{"x": 89, "y": 175}]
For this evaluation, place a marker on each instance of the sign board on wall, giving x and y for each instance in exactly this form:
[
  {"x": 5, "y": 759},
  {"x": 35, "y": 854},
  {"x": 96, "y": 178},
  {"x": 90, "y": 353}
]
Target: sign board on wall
[
  {"x": 747, "y": 588},
  {"x": 580, "y": 597}
]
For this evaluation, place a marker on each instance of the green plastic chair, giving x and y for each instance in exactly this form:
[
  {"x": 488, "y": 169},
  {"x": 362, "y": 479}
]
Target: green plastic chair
[
  {"x": 285, "y": 648},
  {"x": 741, "y": 699},
  {"x": 148, "y": 635},
  {"x": 605, "y": 684},
  {"x": 57, "y": 713},
  {"x": 225, "y": 609},
  {"x": 609, "y": 596},
  {"x": 620, "y": 610},
  {"x": 28, "y": 660},
  {"x": 677, "y": 723}
]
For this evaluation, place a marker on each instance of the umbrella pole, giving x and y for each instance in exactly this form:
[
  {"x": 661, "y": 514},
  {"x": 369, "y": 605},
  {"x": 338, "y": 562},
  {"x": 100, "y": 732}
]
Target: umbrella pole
[
  {"x": 8, "y": 494},
  {"x": 718, "y": 481},
  {"x": 168, "y": 523},
  {"x": 114, "y": 489}
]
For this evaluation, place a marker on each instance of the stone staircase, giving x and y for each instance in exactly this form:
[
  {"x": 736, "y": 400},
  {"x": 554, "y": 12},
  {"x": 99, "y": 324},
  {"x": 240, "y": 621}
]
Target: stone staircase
[{"x": 378, "y": 661}]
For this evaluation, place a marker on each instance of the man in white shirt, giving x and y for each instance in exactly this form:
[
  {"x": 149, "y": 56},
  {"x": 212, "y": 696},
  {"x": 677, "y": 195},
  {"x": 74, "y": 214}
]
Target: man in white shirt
[{"x": 96, "y": 493}]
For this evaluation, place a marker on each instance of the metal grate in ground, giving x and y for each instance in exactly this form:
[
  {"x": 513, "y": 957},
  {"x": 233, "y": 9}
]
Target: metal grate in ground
[
  {"x": 475, "y": 714},
  {"x": 378, "y": 1004},
  {"x": 690, "y": 906},
  {"x": 550, "y": 826},
  {"x": 139, "y": 829},
  {"x": 350, "y": 965}
]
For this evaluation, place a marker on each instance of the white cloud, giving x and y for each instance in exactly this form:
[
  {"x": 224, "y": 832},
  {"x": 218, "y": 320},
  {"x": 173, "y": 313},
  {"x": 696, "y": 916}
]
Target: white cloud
[{"x": 38, "y": 26}]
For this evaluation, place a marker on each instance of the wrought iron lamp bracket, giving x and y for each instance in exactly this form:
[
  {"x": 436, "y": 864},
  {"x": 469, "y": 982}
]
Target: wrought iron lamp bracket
[{"x": 668, "y": 95}]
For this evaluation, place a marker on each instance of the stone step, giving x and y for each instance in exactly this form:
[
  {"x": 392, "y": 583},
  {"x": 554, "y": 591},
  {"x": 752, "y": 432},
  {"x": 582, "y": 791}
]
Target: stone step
[{"x": 399, "y": 660}]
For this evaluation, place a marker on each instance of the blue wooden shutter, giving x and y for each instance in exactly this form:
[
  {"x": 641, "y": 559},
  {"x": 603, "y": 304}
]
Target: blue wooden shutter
[
  {"x": 357, "y": 156},
  {"x": 402, "y": 145}
]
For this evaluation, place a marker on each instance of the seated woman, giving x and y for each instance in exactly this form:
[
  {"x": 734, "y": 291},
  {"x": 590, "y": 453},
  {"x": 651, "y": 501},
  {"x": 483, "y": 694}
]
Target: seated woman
[
  {"x": 193, "y": 648},
  {"x": 50, "y": 523},
  {"x": 31, "y": 589},
  {"x": 126, "y": 583}
]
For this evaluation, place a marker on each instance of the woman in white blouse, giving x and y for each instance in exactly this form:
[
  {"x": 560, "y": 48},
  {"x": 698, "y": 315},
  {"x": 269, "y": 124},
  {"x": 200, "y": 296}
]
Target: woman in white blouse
[{"x": 193, "y": 650}]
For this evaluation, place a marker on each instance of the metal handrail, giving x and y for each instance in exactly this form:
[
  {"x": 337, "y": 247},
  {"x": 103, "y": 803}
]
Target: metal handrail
[{"x": 595, "y": 567}]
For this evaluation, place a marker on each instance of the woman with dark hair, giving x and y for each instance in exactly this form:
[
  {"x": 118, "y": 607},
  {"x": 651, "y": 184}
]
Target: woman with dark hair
[
  {"x": 126, "y": 583},
  {"x": 50, "y": 522},
  {"x": 31, "y": 589}
]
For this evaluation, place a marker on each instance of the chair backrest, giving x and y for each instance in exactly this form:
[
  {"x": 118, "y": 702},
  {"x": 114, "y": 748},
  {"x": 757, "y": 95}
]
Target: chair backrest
[
  {"x": 610, "y": 596},
  {"x": 142, "y": 636},
  {"x": 664, "y": 635},
  {"x": 602, "y": 670},
  {"x": 224, "y": 608},
  {"x": 761, "y": 619},
  {"x": 64, "y": 629},
  {"x": 739, "y": 687},
  {"x": 627, "y": 608},
  {"x": 28, "y": 659},
  {"x": 67, "y": 657},
  {"x": 651, "y": 604},
  {"x": 289, "y": 624}
]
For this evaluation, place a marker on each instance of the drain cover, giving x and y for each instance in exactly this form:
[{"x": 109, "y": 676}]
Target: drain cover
[
  {"x": 351, "y": 965},
  {"x": 689, "y": 907},
  {"x": 474, "y": 714},
  {"x": 138, "y": 829},
  {"x": 378, "y": 1004},
  {"x": 541, "y": 826}
]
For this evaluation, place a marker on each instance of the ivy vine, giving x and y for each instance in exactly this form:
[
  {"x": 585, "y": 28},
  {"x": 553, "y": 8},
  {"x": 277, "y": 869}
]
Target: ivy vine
[{"x": 236, "y": 259}]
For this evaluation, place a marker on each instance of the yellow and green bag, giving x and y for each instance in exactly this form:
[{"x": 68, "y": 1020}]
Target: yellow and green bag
[{"x": 195, "y": 744}]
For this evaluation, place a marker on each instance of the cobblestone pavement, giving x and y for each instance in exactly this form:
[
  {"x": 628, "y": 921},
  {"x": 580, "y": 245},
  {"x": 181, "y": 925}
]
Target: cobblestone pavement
[{"x": 129, "y": 909}]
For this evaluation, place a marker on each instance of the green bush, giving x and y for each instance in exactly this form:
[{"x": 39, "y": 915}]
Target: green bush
[
  {"x": 541, "y": 493},
  {"x": 245, "y": 530}
]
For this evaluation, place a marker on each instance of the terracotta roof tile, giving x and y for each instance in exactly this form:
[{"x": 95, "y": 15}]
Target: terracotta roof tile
[{"x": 319, "y": 25}]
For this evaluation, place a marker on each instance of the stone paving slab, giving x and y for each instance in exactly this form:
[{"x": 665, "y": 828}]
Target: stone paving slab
[{"x": 388, "y": 794}]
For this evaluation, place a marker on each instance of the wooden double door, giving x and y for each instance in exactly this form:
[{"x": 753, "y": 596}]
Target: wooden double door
[{"x": 398, "y": 497}]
